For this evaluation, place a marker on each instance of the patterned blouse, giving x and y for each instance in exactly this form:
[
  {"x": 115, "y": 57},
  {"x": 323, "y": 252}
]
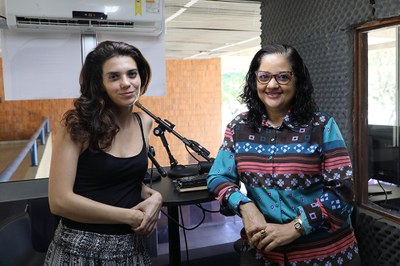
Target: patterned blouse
[{"x": 289, "y": 171}]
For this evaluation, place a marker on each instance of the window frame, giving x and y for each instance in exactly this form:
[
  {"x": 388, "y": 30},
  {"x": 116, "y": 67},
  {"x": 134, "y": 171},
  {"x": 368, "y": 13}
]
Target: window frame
[{"x": 360, "y": 115}]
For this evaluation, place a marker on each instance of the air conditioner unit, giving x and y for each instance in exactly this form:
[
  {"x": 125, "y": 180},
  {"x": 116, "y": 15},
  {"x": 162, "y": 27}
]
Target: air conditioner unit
[{"x": 145, "y": 17}]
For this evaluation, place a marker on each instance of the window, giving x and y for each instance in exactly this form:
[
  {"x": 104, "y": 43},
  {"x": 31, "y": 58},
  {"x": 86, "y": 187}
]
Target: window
[{"x": 377, "y": 117}]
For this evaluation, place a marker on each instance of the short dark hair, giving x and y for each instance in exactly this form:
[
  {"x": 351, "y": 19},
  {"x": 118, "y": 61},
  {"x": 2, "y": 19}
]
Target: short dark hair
[{"x": 303, "y": 105}]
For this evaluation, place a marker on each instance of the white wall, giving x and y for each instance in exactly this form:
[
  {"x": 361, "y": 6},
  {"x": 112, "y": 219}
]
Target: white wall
[{"x": 46, "y": 65}]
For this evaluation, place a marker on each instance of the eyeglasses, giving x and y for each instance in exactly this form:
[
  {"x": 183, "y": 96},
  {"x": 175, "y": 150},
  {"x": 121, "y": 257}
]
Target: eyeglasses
[{"x": 282, "y": 78}]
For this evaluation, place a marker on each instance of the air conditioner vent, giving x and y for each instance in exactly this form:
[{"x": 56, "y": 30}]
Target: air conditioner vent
[
  {"x": 23, "y": 22},
  {"x": 95, "y": 16}
]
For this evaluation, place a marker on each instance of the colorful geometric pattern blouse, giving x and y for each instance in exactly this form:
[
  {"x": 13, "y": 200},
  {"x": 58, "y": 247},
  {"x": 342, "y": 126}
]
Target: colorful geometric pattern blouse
[{"x": 290, "y": 171}]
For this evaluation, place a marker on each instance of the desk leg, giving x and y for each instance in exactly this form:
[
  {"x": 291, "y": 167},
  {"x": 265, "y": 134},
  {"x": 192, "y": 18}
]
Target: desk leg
[{"x": 173, "y": 237}]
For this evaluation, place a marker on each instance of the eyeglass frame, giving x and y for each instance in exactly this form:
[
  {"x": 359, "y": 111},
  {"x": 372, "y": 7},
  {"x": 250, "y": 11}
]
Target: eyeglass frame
[{"x": 274, "y": 76}]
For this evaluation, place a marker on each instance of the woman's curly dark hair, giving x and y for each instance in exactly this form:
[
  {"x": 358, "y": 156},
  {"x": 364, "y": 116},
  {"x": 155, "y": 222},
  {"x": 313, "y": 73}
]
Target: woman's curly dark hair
[
  {"x": 93, "y": 120},
  {"x": 303, "y": 105}
]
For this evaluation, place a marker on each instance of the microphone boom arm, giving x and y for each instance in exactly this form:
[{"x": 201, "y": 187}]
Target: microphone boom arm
[{"x": 167, "y": 125}]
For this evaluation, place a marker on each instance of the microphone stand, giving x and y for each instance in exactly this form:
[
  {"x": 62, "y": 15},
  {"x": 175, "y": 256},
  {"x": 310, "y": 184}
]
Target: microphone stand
[
  {"x": 176, "y": 169},
  {"x": 152, "y": 176}
]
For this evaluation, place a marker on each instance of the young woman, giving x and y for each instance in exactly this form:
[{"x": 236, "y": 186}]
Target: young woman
[{"x": 98, "y": 163}]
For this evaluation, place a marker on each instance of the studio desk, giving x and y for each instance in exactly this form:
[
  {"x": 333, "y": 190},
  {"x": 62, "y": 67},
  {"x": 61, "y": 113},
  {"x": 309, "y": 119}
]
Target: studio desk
[{"x": 172, "y": 199}]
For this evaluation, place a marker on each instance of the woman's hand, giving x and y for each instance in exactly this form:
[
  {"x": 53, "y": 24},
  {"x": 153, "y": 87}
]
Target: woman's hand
[
  {"x": 150, "y": 208},
  {"x": 275, "y": 235},
  {"x": 253, "y": 221},
  {"x": 137, "y": 219},
  {"x": 263, "y": 235}
]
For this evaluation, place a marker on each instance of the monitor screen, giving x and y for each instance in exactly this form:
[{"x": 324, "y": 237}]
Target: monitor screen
[{"x": 383, "y": 153}]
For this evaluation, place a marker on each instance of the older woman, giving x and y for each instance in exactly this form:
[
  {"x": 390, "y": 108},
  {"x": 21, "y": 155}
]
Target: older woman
[{"x": 294, "y": 164}]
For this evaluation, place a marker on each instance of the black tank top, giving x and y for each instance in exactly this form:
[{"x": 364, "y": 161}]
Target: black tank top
[{"x": 111, "y": 180}]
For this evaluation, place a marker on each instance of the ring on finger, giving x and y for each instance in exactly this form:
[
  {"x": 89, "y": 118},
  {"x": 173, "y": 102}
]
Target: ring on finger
[{"x": 263, "y": 233}]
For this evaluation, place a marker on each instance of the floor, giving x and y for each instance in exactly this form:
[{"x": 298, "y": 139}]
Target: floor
[
  {"x": 207, "y": 234},
  {"x": 9, "y": 150},
  {"x": 213, "y": 237},
  {"x": 208, "y": 240},
  {"x": 220, "y": 255}
]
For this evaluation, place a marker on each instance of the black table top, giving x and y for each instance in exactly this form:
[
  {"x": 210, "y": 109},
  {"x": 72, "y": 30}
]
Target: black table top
[{"x": 172, "y": 197}]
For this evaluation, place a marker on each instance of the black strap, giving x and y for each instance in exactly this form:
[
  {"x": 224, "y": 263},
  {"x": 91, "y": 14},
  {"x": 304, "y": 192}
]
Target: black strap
[{"x": 141, "y": 127}]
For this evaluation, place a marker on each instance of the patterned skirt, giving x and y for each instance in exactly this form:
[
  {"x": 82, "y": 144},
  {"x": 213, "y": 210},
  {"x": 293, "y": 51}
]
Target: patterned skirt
[{"x": 77, "y": 248}]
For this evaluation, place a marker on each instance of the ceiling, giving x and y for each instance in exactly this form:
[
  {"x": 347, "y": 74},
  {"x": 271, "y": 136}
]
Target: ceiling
[{"x": 201, "y": 29}]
